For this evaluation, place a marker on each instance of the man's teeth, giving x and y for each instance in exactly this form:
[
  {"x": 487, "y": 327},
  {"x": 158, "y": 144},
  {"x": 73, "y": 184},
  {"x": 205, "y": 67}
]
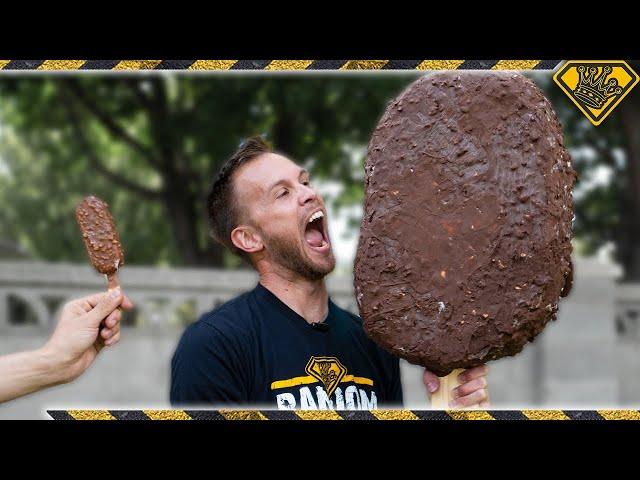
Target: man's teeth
[{"x": 316, "y": 216}]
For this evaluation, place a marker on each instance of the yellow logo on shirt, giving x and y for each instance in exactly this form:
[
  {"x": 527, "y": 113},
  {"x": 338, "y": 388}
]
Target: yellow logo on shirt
[{"x": 328, "y": 370}]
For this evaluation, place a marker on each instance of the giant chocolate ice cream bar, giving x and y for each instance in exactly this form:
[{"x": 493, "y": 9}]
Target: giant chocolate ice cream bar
[{"x": 465, "y": 243}]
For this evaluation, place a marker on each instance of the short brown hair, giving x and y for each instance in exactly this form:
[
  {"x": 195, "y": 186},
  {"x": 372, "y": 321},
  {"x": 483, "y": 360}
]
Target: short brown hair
[{"x": 222, "y": 205}]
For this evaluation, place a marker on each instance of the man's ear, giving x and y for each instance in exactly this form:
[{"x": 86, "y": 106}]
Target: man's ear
[{"x": 246, "y": 239}]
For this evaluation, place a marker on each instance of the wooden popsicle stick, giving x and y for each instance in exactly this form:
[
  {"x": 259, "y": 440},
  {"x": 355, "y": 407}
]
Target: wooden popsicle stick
[
  {"x": 440, "y": 400},
  {"x": 113, "y": 282}
]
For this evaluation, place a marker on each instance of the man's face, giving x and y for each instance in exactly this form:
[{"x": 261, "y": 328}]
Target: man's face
[{"x": 279, "y": 202}]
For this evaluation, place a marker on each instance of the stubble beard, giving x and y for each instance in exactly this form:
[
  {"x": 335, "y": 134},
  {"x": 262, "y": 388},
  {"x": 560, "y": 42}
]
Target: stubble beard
[{"x": 287, "y": 253}]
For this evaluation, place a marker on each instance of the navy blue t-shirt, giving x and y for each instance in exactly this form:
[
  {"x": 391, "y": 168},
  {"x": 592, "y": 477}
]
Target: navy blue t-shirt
[{"x": 255, "y": 350}]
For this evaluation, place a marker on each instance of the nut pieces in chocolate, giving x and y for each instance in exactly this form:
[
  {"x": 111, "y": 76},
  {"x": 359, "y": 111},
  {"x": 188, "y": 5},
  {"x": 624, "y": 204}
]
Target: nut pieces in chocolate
[
  {"x": 464, "y": 246},
  {"x": 100, "y": 235}
]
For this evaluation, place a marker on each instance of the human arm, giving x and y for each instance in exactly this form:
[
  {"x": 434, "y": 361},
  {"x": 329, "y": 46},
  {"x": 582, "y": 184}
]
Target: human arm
[{"x": 72, "y": 348}]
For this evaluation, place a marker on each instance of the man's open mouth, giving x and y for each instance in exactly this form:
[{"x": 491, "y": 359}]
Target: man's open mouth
[{"x": 315, "y": 233}]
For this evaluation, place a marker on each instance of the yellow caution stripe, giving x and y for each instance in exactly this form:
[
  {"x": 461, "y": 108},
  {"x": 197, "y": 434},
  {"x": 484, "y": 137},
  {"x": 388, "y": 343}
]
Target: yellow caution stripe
[
  {"x": 277, "y": 65},
  {"x": 389, "y": 415}
]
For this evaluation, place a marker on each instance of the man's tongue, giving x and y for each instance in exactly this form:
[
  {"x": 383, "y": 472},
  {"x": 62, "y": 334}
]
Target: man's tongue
[{"x": 313, "y": 237}]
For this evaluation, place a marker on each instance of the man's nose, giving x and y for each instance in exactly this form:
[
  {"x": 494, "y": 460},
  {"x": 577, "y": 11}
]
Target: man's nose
[{"x": 307, "y": 195}]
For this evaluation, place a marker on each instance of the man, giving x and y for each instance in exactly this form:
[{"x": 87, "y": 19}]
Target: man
[
  {"x": 86, "y": 325},
  {"x": 285, "y": 344}
]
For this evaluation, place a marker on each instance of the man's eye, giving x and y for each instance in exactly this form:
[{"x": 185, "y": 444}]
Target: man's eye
[
  {"x": 306, "y": 183},
  {"x": 282, "y": 194}
]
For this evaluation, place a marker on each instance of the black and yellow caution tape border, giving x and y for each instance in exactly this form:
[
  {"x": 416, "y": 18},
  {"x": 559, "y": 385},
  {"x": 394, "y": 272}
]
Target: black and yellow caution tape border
[
  {"x": 277, "y": 65},
  {"x": 344, "y": 414},
  {"x": 298, "y": 65}
]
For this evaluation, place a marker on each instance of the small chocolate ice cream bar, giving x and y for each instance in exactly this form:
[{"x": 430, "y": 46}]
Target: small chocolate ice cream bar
[{"x": 100, "y": 238}]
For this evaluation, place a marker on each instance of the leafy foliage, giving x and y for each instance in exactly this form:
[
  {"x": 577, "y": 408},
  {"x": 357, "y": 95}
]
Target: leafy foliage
[{"x": 158, "y": 141}]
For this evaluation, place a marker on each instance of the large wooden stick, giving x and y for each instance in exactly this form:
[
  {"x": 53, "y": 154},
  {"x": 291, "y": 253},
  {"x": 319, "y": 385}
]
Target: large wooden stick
[{"x": 441, "y": 399}]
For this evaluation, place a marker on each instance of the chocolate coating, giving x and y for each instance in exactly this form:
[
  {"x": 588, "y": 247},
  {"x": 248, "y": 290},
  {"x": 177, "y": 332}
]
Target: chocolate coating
[
  {"x": 464, "y": 244},
  {"x": 100, "y": 235}
]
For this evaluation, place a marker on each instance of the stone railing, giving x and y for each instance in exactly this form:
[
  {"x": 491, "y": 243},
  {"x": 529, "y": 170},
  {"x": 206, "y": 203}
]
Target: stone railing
[
  {"x": 32, "y": 293},
  {"x": 628, "y": 312}
]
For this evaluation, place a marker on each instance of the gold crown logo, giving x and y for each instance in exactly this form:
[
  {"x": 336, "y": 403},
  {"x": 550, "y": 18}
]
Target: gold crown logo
[
  {"x": 591, "y": 88},
  {"x": 596, "y": 87}
]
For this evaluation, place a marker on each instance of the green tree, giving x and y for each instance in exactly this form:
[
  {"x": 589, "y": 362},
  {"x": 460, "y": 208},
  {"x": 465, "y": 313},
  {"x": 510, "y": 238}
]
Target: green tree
[{"x": 150, "y": 145}]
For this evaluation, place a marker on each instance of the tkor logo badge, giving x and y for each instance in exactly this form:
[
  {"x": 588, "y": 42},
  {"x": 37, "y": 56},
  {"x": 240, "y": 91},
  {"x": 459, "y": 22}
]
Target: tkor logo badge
[
  {"x": 328, "y": 370},
  {"x": 596, "y": 86}
]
